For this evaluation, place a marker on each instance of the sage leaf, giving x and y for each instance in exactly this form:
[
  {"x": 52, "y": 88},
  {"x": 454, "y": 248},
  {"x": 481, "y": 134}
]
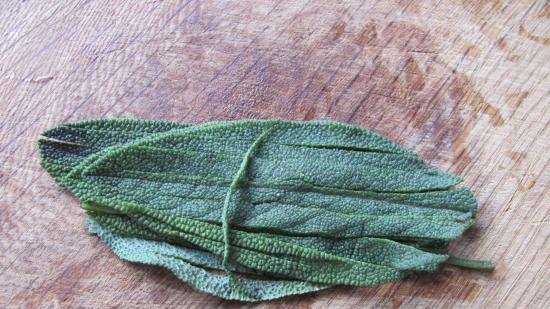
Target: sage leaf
[{"x": 303, "y": 205}]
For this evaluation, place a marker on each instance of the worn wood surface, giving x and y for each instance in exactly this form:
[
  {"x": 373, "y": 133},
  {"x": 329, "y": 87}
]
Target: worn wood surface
[{"x": 464, "y": 83}]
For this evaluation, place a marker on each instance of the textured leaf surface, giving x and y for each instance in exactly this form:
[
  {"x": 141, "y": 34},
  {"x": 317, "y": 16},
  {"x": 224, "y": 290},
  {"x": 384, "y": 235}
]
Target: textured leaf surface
[
  {"x": 312, "y": 204},
  {"x": 187, "y": 265}
]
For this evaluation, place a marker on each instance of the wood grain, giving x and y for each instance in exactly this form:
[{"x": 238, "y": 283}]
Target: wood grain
[{"x": 464, "y": 83}]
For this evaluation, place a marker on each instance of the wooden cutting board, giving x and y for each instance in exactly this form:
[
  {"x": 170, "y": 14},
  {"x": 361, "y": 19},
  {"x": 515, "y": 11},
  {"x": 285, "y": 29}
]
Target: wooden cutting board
[{"x": 464, "y": 83}]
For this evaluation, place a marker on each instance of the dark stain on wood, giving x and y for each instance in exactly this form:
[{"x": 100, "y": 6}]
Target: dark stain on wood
[
  {"x": 533, "y": 37},
  {"x": 414, "y": 76},
  {"x": 527, "y": 185},
  {"x": 396, "y": 301},
  {"x": 472, "y": 51},
  {"x": 501, "y": 44},
  {"x": 387, "y": 77},
  {"x": 514, "y": 58},
  {"x": 339, "y": 29},
  {"x": 545, "y": 12},
  {"x": 439, "y": 112},
  {"x": 310, "y": 114},
  {"x": 261, "y": 83},
  {"x": 367, "y": 34},
  {"x": 516, "y": 156},
  {"x": 463, "y": 90}
]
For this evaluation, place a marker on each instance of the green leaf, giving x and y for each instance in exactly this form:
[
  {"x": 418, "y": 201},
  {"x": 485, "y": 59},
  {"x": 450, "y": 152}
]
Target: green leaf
[
  {"x": 69, "y": 144},
  {"x": 187, "y": 264},
  {"x": 312, "y": 204}
]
